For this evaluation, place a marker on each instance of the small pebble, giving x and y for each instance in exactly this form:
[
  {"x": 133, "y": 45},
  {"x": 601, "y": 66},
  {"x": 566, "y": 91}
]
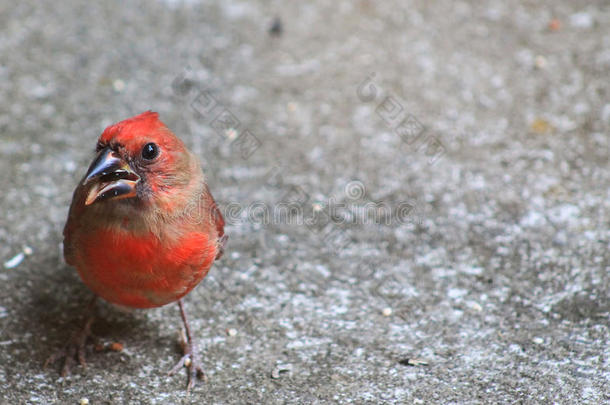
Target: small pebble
[
  {"x": 538, "y": 340},
  {"x": 277, "y": 27},
  {"x": 413, "y": 362},
  {"x": 14, "y": 261},
  {"x": 118, "y": 85},
  {"x": 386, "y": 311},
  {"x": 540, "y": 62},
  {"x": 27, "y": 250},
  {"x": 555, "y": 24},
  {"x": 232, "y": 332},
  {"x": 84, "y": 401},
  {"x": 116, "y": 347},
  {"x": 281, "y": 369},
  {"x": 540, "y": 126}
]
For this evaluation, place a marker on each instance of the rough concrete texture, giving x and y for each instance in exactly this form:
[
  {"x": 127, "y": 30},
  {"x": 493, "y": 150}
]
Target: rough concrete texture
[{"x": 447, "y": 168}]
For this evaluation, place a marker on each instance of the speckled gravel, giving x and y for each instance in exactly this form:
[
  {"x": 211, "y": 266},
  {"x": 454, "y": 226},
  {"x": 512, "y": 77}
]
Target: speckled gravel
[{"x": 417, "y": 197}]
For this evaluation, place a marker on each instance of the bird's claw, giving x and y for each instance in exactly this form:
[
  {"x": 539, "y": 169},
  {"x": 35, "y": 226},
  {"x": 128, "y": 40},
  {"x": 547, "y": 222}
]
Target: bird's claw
[
  {"x": 191, "y": 361},
  {"x": 73, "y": 350},
  {"x": 195, "y": 371}
]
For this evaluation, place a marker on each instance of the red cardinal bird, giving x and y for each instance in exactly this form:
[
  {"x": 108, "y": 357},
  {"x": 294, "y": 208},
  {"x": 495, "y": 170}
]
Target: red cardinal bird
[{"x": 143, "y": 229}]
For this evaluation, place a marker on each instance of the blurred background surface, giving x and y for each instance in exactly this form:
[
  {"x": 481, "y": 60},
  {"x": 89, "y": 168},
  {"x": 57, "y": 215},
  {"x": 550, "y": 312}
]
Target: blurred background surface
[{"x": 448, "y": 162}]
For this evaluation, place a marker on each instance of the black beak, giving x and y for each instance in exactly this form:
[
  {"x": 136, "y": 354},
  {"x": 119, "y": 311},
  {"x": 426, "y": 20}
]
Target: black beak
[{"x": 112, "y": 178}]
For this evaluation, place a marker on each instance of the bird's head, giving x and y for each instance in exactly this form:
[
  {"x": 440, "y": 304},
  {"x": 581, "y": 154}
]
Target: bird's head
[{"x": 138, "y": 158}]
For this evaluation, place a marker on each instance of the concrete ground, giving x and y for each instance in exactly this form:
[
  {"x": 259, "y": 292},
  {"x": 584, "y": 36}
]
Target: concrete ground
[{"x": 417, "y": 196}]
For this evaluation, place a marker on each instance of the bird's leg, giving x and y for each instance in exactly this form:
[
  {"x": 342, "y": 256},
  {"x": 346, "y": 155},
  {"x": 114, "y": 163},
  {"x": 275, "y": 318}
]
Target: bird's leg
[
  {"x": 74, "y": 348},
  {"x": 191, "y": 358}
]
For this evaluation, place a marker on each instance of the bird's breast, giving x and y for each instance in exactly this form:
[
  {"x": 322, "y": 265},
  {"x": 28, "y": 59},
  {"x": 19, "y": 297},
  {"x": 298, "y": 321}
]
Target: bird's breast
[{"x": 142, "y": 270}]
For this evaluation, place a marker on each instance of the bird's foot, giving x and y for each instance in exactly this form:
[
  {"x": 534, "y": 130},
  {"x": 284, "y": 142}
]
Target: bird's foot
[
  {"x": 73, "y": 349},
  {"x": 190, "y": 360}
]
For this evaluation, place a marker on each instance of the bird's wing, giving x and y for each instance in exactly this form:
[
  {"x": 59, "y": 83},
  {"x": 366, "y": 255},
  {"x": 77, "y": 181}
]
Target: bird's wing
[{"x": 217, "y": 221}]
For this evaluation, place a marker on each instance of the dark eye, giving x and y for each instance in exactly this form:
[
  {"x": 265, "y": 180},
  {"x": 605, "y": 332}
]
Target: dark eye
[{"x": 150, "y": 151}]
